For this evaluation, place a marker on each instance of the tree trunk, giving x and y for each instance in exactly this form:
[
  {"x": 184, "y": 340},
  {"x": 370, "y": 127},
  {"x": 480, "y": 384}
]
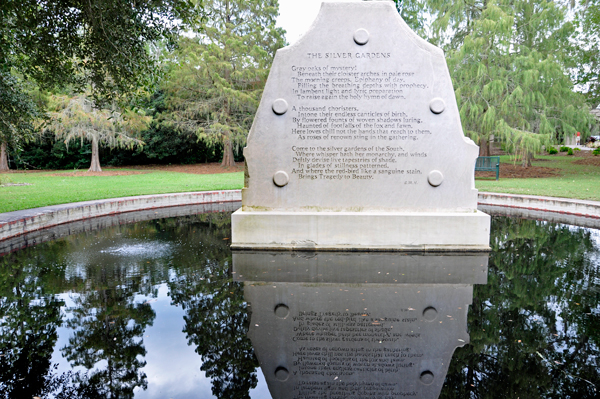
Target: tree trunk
[
  {"x": 95, "y": 165},
  {"x": 484, "y": 147},
  {"x": 3, "y": 157},
  {"x": 527, "y": 157},
  {"x": 228, "y": 159}
]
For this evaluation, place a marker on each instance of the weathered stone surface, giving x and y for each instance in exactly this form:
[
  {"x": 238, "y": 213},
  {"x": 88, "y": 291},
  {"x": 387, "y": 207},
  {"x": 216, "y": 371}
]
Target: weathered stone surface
[
  {"x": 359, "y": 114},
  {"x": 358, "y": 129},
  {"x": 406, "y": 231}
]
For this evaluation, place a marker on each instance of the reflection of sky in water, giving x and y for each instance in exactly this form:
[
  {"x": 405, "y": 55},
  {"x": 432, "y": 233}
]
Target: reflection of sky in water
[{"x": 172, "y": 367}]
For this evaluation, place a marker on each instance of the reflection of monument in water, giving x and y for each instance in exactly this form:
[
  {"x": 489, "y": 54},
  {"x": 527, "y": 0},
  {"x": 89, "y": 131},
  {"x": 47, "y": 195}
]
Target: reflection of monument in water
[
  {"x": 356, "y": 325},
  {"x": 357, "y": 145}
]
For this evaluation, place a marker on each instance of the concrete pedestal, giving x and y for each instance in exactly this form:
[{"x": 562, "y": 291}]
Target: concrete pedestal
[{"x": 365, "y": 231}]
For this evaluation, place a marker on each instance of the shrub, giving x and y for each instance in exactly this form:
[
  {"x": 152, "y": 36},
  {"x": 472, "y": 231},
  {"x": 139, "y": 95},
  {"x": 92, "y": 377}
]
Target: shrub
[
  {"x": 576, "y": 149},
  {"x": 570, "y": 151},
  {"x": 564, "y": 148},
  {"x": 596, "y": 151},
  {"x": 49, "y": 153},
  {"x": 552, "y": 150}
]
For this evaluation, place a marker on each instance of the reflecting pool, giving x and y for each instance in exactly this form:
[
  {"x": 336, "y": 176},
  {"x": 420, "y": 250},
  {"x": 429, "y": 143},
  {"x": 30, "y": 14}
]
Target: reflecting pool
[{"x": 161, "y": 308}]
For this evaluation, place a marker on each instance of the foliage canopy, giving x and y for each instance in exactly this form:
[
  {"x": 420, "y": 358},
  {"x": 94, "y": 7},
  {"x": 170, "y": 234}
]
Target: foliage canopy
[
  {"x": 222, "y": 71},
  {"x": 77, "y": 117},
  {"x": 509, "y": 64}
]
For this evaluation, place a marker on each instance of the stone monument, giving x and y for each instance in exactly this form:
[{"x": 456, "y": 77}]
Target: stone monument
[{"x": 357, "y": 144}]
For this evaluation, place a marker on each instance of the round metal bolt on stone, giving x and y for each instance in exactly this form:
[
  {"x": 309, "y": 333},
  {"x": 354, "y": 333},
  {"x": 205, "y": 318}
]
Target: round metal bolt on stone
[
  {"x": 280, "y": 106},
  {"x": 430, "y": 313},
  {"x": 281, "y": 373},
  {"x": 435, "y": 178},
  {"x": 437, "y": 105},
  {"x": 282, "y": 311},
  {"x": 426, "y": 377},
  {"x": 361, "y": 36},
  {"x": 281, "y": 178}
]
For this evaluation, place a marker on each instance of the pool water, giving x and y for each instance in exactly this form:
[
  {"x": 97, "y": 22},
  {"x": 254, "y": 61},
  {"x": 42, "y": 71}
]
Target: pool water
[{"x": 155, "y": 309}]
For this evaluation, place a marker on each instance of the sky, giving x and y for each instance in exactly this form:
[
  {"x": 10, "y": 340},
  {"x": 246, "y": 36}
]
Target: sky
[{"x": 296, "y": 16}]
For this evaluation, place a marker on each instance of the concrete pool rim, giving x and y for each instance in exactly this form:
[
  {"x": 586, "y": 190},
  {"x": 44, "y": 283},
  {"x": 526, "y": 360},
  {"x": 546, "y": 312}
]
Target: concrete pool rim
[{"x": 560, "y": 210}]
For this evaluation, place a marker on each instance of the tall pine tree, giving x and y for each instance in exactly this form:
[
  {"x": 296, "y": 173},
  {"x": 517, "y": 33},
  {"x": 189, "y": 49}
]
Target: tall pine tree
[
  {"x": 510, "y": 73},
  {"x": 587, "y": 50},
  {"x": 221, "y": 72}
]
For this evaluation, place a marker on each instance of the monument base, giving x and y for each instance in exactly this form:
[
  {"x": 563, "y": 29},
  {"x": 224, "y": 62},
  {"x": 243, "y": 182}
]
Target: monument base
[{"x": 361, "y": 231}]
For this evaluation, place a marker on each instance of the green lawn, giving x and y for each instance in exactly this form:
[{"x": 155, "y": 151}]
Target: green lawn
[
  {"x": 51, "y": 190},
  {"x": 574, "y": 181}
]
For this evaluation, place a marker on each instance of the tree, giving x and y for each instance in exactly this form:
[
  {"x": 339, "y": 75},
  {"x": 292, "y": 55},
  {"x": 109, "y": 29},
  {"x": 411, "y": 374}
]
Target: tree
[
  {"x": 78, "y": 117},
  {"x": 412, "y": 13},
  {"x": 508, "y": 61},
  {"x": 587, "y": 51},
  {"x": 17, "y": 113},
  {"x": 222, "y": 71},
  {"x": 103, "y": 45},
  {"x": 99, "y": 42}
]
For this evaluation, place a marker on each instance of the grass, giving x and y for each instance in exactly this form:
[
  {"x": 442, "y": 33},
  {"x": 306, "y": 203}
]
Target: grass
[
  {"x": 48, "y": 190},
  {"x": 574, "y": 181}
]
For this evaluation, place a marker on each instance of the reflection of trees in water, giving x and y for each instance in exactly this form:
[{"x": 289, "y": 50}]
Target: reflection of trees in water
[
  {"x": 216, "y": 320},
  {"x": 535, "y": 325},
  {"x": 29, "y": 318},
  {"x": 107, "y": 340},
  {"x": 108, "y": 324},
  {"x": 30, "y": 315}
]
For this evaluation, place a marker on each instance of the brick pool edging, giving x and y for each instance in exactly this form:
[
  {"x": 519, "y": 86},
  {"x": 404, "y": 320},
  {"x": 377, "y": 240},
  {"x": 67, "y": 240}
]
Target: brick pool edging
[{"x": 16, "y": 223}]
